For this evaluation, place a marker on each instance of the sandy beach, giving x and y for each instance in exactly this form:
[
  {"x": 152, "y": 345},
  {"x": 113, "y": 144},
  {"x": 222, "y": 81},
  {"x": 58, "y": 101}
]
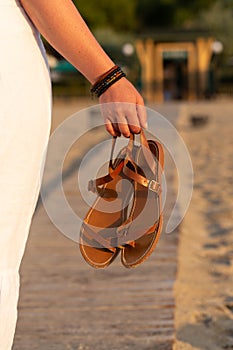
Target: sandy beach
[{"x": 204, "y": 286}]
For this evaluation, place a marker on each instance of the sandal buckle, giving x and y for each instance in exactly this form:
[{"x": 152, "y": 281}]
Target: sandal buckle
[{"x": 154, "y": 186}]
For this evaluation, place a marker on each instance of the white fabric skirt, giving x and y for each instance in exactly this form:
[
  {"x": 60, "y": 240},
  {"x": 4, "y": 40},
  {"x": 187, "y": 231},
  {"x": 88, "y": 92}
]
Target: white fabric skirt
[{"x": 25, "y": 117}]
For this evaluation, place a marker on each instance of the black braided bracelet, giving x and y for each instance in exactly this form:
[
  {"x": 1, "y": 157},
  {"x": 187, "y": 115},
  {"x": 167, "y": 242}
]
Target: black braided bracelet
[
  {"x": 110, "y": 83},
  {"x": 106, "y": 80}
]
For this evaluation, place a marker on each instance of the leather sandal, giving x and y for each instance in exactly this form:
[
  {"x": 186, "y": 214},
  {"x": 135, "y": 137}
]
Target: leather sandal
[
  {"x": 98, "y": 235},
  {"x": 139, "y": 234}
]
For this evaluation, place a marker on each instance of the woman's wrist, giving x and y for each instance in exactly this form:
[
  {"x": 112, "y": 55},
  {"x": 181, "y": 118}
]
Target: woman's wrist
[{"x": 106, "y": 80}]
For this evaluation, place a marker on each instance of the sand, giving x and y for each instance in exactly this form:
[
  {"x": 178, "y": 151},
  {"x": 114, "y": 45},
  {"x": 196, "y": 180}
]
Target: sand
[{"x": 204, "y": 286}]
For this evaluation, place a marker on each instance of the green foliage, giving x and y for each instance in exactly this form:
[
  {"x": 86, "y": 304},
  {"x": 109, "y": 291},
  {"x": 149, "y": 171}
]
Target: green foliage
[
  {"x": 138, "y": 15},
  {"x": 219, "y": 21},
  {"x": 119, "y": 15},
  {"x": 152, "y": 14},
  {"x": 168, "y": 13}
]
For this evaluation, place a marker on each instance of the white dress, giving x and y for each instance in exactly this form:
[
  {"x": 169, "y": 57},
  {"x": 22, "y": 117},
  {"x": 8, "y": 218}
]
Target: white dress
[{"x": 25, "y": 117}]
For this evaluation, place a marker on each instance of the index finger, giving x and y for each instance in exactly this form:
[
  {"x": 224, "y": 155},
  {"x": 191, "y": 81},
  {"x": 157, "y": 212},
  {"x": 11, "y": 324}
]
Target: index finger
[{"x": 142, "y": 116}]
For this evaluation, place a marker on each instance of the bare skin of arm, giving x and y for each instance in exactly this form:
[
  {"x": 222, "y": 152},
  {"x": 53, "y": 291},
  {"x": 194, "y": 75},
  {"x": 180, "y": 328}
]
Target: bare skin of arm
[{"x": 63, "y": 27}]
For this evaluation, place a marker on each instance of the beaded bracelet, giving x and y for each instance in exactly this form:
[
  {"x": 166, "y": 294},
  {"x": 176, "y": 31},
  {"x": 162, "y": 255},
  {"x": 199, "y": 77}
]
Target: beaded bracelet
[{"x": 106, "y": 80}]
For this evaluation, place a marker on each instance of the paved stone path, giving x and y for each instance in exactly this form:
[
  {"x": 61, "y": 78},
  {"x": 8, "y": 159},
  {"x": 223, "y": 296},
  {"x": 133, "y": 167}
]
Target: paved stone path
[{"x": 66, "y": 305}]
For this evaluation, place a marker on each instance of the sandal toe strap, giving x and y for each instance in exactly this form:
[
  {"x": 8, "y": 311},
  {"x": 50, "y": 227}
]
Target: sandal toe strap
[{"x": 92, "y": 235}]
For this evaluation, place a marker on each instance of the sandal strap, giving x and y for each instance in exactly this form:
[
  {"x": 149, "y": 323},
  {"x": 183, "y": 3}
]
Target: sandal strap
[
  {"x": 110, "y": 243},
  {"x": 147, "y": 153},
  {"x": 152, "y": 185},
  {"x": 145, "y": 149},
  {"x": 117, "y": 242},
  {"x": 92, "y": 235},
  {"x": 122, "y": 241},
  {"x": 94, "y": 185}
]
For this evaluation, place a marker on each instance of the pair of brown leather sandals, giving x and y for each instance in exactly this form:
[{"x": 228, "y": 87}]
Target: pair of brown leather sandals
[{"x": 126, "y": 216}]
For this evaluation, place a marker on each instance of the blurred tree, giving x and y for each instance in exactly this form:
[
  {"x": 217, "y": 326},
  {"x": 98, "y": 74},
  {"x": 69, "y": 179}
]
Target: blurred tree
[
  {"x": 168, "y": 13},
  {"x": 139, "y": 15},
  {"x": 219, "y": 21},
  {"x": 118, "y": 14}
]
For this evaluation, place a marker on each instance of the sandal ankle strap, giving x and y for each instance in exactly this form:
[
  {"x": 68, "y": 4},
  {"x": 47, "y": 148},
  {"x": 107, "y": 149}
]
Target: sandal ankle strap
[{"x": 151, "y": 184}]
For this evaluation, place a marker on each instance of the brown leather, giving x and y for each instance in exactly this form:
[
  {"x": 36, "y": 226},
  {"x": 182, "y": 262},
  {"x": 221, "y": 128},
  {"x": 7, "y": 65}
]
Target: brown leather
[
  {"x": 144, "y": 222},
  {"x": 98, "y": 239},
  {"x": 150, "y": 183},
  {"x": 95, "y": 185},
  {"x": 135, "y": 233}
]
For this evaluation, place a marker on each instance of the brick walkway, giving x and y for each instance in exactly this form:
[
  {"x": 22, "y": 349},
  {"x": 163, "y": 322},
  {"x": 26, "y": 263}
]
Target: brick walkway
[{"x": 66, "y": 305}]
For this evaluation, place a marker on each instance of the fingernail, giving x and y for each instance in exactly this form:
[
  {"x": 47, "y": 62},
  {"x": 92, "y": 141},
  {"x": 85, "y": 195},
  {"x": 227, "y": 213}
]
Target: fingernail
[{"x": 146, "y": 125}]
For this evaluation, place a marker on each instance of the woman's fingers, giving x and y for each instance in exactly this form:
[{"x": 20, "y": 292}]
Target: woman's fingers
[
  {"x": 123, "y": 118},
  {"x": 124, "y": 127},
  {"x": 110, "y": 128},
  {"x": 123, "y": 107},
  {"x": 142, "y": 116},
  {"x": 110, "y": 120},
  {"x": 130, "y": 112}
]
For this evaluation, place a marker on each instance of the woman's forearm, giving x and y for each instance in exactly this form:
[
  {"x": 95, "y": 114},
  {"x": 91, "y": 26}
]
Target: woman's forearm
[
  {"x": 61, "y": 24},
  {"x": 63, "y": 27}
]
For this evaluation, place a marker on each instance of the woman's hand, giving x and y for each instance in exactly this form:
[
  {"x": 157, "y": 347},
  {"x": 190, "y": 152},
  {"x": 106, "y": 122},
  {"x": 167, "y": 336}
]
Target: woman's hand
[{"x": 123, "y": 109}]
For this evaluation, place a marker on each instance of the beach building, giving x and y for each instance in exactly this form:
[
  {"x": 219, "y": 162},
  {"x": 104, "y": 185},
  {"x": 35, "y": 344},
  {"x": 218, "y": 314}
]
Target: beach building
[{"x": 178, "y": 68}]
